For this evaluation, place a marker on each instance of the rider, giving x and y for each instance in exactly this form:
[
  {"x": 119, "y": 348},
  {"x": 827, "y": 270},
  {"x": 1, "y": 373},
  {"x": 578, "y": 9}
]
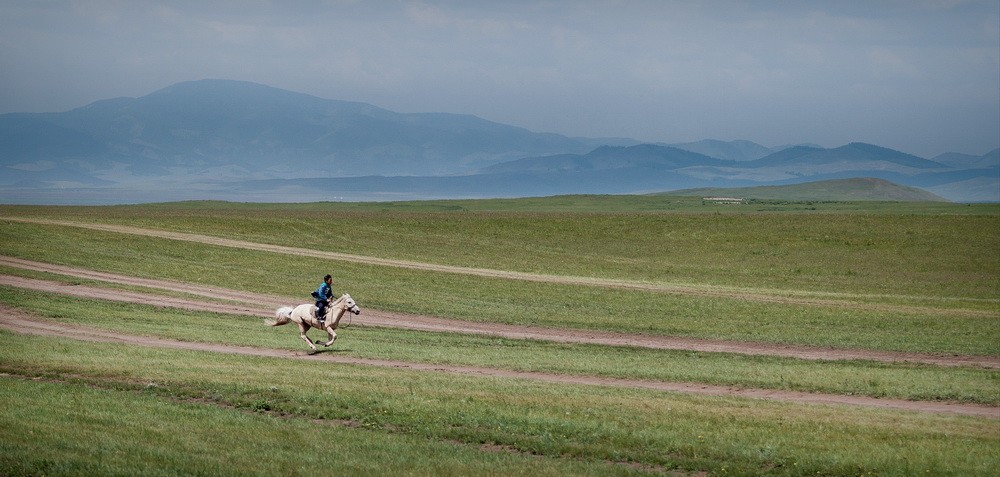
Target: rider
[{"x": 323, "y": 296}]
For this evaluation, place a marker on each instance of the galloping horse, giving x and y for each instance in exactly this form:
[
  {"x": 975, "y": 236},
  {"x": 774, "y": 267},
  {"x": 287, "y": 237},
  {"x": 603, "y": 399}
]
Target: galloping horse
[{"x": 305, "y": 316}]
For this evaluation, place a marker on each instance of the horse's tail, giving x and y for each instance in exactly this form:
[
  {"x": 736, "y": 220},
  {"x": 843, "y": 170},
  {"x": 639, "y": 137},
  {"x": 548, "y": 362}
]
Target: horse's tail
[{"x": 282, "y": 316}]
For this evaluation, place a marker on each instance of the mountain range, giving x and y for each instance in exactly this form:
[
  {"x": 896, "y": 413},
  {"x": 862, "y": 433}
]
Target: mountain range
[{"x": 233, "y": 140}]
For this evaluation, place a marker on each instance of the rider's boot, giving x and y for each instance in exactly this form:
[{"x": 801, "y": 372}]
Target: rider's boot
[{"x": 320, "y": 315}]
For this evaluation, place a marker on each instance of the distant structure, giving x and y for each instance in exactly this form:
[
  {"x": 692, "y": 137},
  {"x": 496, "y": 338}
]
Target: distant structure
[{"x": 723, "y": 200}]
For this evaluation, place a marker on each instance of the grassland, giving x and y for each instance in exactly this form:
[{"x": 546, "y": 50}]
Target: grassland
[
  {"x": 873, "y": 276},
  {"x": 518, "y": 302},
  {"x": 854, "y": 189},
  {"x": 933, "y": 256},
  {"x": 561, "y": 423},
  {"x": 887, "y": 380}
]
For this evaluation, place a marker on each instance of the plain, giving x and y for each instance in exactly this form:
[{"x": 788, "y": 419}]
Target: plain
[{"x": 925, "y": 280}]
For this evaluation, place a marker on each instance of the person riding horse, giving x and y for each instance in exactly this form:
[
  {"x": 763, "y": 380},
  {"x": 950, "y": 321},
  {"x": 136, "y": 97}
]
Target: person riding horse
[{"x": 323, "y": 296}]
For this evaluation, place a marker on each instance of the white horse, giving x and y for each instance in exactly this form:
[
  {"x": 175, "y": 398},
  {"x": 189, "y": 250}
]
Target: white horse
[{"x": 304, "y": 315}]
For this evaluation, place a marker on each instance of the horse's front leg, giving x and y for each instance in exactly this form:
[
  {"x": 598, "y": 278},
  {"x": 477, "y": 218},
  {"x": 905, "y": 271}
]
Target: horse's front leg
[
  {"x": 332, "y": 334},
  {"x": 302, "y": 334}
]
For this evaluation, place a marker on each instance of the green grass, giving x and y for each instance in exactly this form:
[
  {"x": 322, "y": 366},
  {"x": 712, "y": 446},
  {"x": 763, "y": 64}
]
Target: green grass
[
  {"x": 903, "y": 381},
  {"x": 655, "y": 203},
  {"x": 511, "y": 301},
  {"x": 896, "y": 254},
  {"x": 855, "y": 189},
  {"x": 71, "y": 429},
  {"x": 578, "y": 424},
  {"x": 904, "y": 277}
]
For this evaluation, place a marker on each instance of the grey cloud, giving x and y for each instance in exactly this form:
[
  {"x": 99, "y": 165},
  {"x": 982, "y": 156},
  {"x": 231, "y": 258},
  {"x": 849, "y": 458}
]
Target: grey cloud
[{"x": 922, "y": 77}]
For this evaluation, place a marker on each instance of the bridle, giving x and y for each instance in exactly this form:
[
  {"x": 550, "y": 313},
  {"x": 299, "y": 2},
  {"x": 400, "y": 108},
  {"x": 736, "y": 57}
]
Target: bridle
[{"x": 350, "y": 319}]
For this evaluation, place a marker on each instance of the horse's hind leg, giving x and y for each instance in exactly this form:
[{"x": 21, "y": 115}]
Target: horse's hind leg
[{"x": 302, "y": 334}]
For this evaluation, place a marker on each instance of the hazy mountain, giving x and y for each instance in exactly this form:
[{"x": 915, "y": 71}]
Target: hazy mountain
[
  {"x": 610, "y": 157},
  {"x": 803, "y": 160},
  {"x": 640, "y": 167},
  {"x": 851, "y": 153},
  {"x": 787, "y": 146},
  {"x": 786, "y": 156},
  {"x": 966, "y": 161},
  {"x": 264, "y": 132},
  {"x": 232, "y": 140},
  {"x": 733, "y": 150}
]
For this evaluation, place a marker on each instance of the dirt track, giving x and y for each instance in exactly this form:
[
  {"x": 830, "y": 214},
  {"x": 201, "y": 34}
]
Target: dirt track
[
  {"x": 264, "y": 306},
  {"x": 786, "y": 297},
  {"x": 21, "y": 322}
]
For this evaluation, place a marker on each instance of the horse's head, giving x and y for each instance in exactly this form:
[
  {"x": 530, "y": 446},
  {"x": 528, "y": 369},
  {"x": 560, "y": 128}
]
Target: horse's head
[{"x": 350, "y": 305}]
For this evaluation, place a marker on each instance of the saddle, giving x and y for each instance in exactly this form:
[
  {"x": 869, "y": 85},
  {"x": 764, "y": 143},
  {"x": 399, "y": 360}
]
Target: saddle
[{"x": 317, "y": 313}]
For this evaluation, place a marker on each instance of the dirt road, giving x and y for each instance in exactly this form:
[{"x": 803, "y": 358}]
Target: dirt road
[
  {"x": 805, "y": 298},
  {"x": 18, "y": 321},
  {"x": 264, "y": 306}
]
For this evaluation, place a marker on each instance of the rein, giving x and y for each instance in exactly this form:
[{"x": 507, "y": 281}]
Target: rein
[
  {"x": 344, "y": 309},
  {"x": 350, "y": 319}
]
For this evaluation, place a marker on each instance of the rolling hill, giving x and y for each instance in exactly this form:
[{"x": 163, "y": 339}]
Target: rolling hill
[
  {"x": 609, "y": 157},
  {"x": 235, "y": 140},
  {"x": 738, "y": 150},
  {"x": 254, "y": 130},
  {"x": 866, "y": 189},
  {"x": 854, "y": 153}
]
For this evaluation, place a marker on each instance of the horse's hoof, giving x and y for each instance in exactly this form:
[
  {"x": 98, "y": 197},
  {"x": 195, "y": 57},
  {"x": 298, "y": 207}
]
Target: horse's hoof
[{"x": 312, "y": 352}]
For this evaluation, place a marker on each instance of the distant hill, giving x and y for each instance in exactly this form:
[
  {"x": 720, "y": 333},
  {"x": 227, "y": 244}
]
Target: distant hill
[
  {"x": 966, "y": 161},
  {"x": 228, "y": 140},
  {"x": 609, "y": 157},
  {"x": 857, "y": 152},
  {"x": 800, "y": 160},
  {"x": 738, "y": 150},
  {"x": 258, "y": 131},
  {"x": 642, "y": 167},
  {"x": 860, "y": 189}
]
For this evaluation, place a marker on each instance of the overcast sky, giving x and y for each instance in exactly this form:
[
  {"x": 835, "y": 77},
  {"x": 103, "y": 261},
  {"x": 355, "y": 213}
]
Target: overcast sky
[{"x": 921, "y": 76}]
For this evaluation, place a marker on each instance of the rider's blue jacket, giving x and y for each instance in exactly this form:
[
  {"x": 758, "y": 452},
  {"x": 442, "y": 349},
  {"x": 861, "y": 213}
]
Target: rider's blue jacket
[{"x": 324, "y": 291}]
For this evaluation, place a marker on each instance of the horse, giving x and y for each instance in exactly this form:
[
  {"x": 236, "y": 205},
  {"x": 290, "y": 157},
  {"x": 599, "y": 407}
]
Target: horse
[{"x": 304, "y": 315}]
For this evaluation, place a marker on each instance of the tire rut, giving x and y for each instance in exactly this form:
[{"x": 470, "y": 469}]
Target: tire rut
[
  {"x": 264, "y": 306},
  {"x": 21, "y": 322},
  {"x": 787, "y": 297}
]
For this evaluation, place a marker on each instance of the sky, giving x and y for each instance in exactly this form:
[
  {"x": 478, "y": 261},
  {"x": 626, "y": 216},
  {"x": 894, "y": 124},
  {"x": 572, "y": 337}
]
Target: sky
[{"x": 919, "y": 76}]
